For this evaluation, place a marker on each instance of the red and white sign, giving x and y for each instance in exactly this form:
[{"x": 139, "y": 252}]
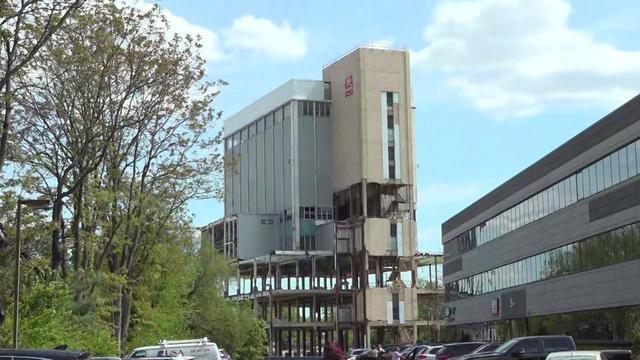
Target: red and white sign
[{"x": 348, "y": 86}]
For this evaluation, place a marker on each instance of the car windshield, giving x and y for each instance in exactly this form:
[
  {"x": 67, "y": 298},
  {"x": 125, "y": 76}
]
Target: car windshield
[
  {"x": 486, "y": 348},
  {"x": 506, "y": 346}
]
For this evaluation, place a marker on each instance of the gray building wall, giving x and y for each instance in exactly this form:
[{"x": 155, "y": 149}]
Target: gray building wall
[
  {"x": 274, "y": 165},
  {"x": 585, "y": 290},
  {"x": 611, "y": 286},
  {"x": 262, "y": 231}
]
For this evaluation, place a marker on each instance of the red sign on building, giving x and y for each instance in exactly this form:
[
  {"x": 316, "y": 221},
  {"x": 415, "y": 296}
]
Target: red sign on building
[{"x": 348, "y": 86}]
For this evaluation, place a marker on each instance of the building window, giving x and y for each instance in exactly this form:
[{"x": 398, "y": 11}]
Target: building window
[
  {"x": 393, "y": 237},
  {"x": 612, "y": 247},
  {"x": 395, "y": 300},
  {"x": 307, "y": 242},
  {"x": 327, "y": 90},
  {"x": 605, "y": 173},
  {"x": 305, "y": 108},
  {"x": 392, "y": 171},
  {"x": 390, "y": 137}
]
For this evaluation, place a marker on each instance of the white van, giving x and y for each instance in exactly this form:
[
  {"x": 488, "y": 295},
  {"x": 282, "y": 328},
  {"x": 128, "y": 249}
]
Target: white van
[{"x": 198, "y": 349}]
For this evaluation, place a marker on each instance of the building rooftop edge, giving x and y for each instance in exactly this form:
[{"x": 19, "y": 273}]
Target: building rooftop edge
[
  {"x": 293, "y": 89},
  {"x": 617, "y": 120},
  {"x": 370, "y": 46}
]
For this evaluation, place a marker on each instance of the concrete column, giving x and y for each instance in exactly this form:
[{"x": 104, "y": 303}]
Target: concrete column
[
  {"x": 254, "y": 288},
  {"x": 367, "y": 337},
  {"x": 314, "y": 309},
  {"x": 298, "y": 287},
  {"x": 314, "y": 279},
  {"x": 239, "y": 282}
]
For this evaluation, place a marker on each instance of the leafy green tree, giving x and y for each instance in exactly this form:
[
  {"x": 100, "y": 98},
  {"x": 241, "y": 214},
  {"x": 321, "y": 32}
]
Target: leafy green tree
[
  {"x": 116, "y": 128},
  {"x": 48, "y": 320},
  {"x": 25, "y": 27},
  {"x": 231, "y": 324}
]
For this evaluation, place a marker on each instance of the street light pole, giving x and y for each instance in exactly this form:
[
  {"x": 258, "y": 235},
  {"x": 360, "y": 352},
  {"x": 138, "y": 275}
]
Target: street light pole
[
  {"x": 16, "y": 285},
  {"x": 36, "y": 204}
]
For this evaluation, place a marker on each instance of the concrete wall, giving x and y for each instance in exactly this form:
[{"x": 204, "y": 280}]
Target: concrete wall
[
  {"x": 378, "y": 234},
  {"x": 386, "y": 71},
  {"x": 378, "y": 300},
  {"x": 346, "y": 132},
  {"x": 357, "y": 130}
]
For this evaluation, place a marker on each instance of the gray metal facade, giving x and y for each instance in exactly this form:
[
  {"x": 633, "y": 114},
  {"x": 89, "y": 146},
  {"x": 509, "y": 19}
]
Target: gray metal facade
[
  {"x": 609, "y": 286},
  {"x": 276, "y": 165}
]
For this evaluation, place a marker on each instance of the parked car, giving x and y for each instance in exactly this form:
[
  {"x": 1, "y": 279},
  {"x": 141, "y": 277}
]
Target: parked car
[
  {"x": 9, "y": 354},
  {"x": 197, "y": 349},
  {"x": 456, "y": 350},
  {"x": 591, "y": 355},
  {"x": 224, "y": 355},
  {"x": 489, "y": 347},
  {"x": 528, "y": 347},
  {"x": 354, "y": 353},
  {"x": 363, "y": 355},
  {"x": 388, "y": 350},
  {"x": 428, "y": 353},
  {"x": 486, "y": 348},
  {"x": 411, "y": 352}
]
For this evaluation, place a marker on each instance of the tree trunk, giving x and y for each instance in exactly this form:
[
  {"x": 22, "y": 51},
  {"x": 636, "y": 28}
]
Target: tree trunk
[
  {"x": 57, "y": 255},
  {"x": 75, "y": 227},
  {"x": 6, "y": 121},
  {"x": 116, "y": 318},
  {"x": 125, "y": 317}
]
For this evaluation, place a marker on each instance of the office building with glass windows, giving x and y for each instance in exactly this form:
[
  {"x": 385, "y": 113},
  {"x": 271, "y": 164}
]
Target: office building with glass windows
[
  {"x": 319, "y": 206},
  {"x": 555, "y": 249}
]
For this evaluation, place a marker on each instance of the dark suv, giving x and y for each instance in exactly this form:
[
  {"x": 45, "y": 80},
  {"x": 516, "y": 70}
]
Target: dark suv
[
  {"x": 23, "y": 354},
  {"x": 529, "y": 347},
  {"x": 457, "y": 349}
]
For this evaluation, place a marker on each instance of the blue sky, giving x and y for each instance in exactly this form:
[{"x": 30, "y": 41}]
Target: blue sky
[{"x": 497, "y": 83}]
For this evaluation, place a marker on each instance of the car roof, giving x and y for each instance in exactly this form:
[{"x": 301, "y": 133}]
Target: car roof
[
  {"x": 587, "y": 352},
  {"x": 169, "y": 346},
  {"x": 465, "y": 343},
  {"x": 47, "y": 354},
  {"x": 544, "y": 337}
]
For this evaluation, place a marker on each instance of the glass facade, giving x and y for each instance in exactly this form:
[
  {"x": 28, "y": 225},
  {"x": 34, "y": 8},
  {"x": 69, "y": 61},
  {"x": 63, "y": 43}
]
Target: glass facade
[
  {"x": 614, "y": 168},
  {"x": 612, "y": 247}
]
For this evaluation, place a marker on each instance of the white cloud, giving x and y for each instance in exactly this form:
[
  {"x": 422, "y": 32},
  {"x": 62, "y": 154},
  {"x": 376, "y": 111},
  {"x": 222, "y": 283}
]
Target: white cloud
[
  {"x": 264, "y": 37},
  {"x": 449, "y": 193},
  {"x": 516, "y": 57},
  {"x": 211, "y": 49},
  {"x": 278, "y": 42},
  {"x": 385, "y": 42}
]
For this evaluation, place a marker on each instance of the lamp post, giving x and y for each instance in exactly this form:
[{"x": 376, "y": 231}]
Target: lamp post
[{"x": 36, "y": 204}]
